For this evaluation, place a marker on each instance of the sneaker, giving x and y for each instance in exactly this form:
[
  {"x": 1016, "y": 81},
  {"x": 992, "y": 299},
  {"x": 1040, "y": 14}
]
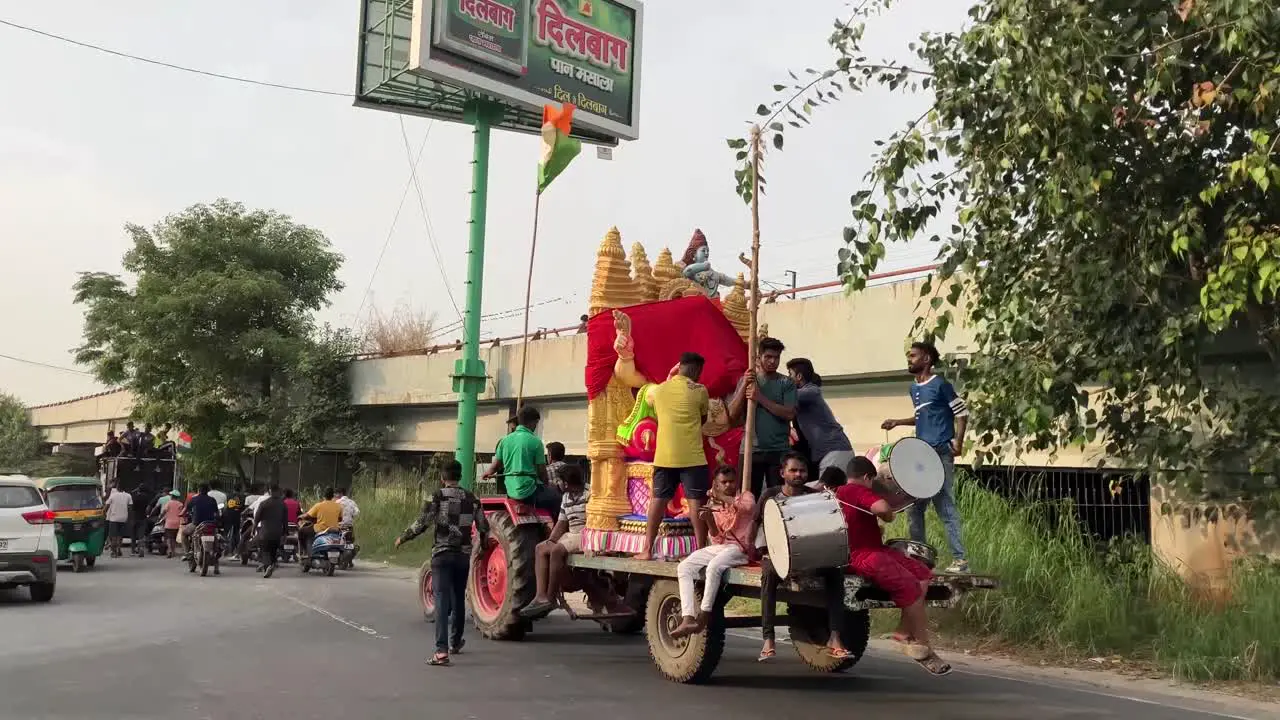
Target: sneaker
[{"x": 959, "y": 567}]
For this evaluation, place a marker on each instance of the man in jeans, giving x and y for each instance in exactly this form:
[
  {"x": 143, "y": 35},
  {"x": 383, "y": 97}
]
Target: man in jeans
[
  {"x": 940, "y": 420},
  {"x": 452, "y": 510},
  {"x": 775, "y": 396},
  {"x": 522, "y": 461}
]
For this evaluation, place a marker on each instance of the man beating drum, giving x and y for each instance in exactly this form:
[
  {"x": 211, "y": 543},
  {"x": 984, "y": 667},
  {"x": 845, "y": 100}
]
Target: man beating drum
[{"x": 940, "y": 420}]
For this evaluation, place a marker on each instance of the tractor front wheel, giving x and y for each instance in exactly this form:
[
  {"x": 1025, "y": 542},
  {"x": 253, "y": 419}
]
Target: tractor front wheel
[
  {"x": 502, "y": 581},
  {"x": 426, "y": 593}
]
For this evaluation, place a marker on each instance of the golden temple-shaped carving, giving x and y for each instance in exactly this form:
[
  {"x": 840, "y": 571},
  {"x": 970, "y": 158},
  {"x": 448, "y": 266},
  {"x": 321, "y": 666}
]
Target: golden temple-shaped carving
[
  {"x": 642, "y": 274},
  {"x": 612, "y": 286},
  {"x": 735, "y": 307}
]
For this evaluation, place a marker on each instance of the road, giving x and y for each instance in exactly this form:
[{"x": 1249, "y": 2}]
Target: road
[{"x": 140, "y": 638}]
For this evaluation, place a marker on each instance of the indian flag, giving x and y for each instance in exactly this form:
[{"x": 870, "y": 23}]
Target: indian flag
[
  {"x": 184, "y": 441},
  {"x": 558, "y": 149}
]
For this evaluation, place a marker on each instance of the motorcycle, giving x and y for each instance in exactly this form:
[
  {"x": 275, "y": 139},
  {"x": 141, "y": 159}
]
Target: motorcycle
[
  {"x": 289, "y": 546},
  {"x": 326, "y": 553},
  {"x": 346, "y": 560},
  {"x": 156, "y": 544},
  {"x": 248, "y": 549},
  {"x": 208, "y": 548}
]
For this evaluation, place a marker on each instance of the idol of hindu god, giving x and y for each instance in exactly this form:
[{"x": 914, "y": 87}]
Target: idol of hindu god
[{"x": 697, "y": 266}]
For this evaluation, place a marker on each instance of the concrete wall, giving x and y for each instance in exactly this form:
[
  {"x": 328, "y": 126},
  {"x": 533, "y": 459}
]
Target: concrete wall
[{"x": 84, "y": 420}]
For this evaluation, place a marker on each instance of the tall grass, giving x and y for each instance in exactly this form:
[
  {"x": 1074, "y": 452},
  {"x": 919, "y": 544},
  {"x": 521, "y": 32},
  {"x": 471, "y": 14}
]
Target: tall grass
[
  {"x": 386, "y": 510},
  {"x": 1060, "y": 594}
]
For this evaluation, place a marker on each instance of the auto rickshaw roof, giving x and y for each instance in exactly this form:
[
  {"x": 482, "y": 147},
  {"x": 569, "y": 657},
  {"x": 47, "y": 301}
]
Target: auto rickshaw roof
[{"x": 53, "y": 482}]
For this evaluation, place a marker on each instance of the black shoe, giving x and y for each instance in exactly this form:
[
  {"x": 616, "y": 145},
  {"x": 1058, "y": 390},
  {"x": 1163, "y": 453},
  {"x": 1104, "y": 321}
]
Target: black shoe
[{"x": 270, "y": 569}]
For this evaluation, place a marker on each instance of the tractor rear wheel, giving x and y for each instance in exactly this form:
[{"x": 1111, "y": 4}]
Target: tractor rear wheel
[
  {"x": 691, "y": 659},
  {"x": 502, "y": 580},
  {"x": 810, "y": 632}
]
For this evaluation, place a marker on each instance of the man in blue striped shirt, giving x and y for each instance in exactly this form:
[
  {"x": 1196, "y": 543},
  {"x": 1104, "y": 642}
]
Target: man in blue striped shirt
[{"x": 940, "y": 419}]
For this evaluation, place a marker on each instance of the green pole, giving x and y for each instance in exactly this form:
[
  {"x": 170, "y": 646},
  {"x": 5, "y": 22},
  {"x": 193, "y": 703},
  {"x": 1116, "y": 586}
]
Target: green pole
[{"x": 468, "y": 372}]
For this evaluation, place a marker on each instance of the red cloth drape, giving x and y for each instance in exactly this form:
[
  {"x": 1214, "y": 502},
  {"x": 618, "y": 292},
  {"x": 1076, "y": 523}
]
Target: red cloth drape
[{"x": 664, "y": 330}]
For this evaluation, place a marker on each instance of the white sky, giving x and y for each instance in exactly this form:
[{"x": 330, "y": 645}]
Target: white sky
[{"x": 89, "y": 141}]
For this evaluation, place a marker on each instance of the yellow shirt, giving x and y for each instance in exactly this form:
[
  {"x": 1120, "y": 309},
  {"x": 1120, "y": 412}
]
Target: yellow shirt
[
  {"x": 680, "y": 405},
  {"x": 328, "y": 514}
]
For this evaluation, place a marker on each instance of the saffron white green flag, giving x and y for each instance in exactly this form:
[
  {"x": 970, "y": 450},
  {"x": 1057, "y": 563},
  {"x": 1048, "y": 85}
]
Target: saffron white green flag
[{"x": 558, "y": 149}]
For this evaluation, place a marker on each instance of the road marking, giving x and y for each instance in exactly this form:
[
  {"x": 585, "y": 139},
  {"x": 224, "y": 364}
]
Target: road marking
[
  {"x": 1069, "y": 686},
  {"x": 353, "y": 625}
]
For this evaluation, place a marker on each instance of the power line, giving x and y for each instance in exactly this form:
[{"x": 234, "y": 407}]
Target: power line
[
  {"x": 37, "y": 363},
  {"x": 426, "y": 217},
  {"x": 172, "y": 66},
  {"x": 408, "y": 183}
]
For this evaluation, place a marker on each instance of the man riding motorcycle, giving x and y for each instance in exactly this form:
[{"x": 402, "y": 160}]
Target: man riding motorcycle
[
  {"x": 201, "y": 509},
  {"x": 324, "y": 516}
]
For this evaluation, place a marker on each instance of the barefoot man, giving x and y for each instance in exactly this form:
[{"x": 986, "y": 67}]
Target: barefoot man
[
  {"x": 905, "y": 579},
  {"x": 681, "y": 405},
  {"x": 551, "y": 557},
  {"x": 731, "y": 509}
]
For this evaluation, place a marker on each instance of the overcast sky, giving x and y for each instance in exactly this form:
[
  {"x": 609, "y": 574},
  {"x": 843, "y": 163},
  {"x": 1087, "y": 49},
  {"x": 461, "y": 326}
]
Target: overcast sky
[{"x": 90, "y": 141}]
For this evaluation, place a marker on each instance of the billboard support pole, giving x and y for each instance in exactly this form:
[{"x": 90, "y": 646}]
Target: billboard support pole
[{"x": 469, "y": 374}]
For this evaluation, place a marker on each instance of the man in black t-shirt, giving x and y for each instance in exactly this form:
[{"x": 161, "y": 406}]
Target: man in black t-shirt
[
  {"x": 795, "y": 473},
  {"x": 272, "y": 519}
]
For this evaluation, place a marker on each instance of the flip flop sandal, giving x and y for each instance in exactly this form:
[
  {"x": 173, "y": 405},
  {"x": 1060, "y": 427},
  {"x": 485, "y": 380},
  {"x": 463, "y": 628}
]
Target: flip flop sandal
[
  {"x": 899, "y": 638},
  {"x": 925, "y": 657},
  {"x": 537, "y": 611},
  {"x": 439, "y": 660},
  {"x": 767, "y": 655},
  {"x": 839, "y": 654}
]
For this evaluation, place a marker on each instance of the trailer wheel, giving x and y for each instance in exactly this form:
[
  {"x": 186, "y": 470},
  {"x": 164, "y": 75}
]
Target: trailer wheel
[
  {"x": 426, "y": 593},
  {"x": 502, "y": 579},
  {"x": 809, "y": 634},
  {"x": 637, "y": 598},
  {"x": 691, "y": 659}
]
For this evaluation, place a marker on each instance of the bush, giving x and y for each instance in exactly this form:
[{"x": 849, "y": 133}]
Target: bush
[
  {"x": 404, "y": 330},
  {"x": 1059, "y": 594}
]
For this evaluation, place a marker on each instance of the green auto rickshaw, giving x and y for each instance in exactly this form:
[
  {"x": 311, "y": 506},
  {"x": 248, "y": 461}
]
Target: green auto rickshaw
[{"x": 79, "y": 518}]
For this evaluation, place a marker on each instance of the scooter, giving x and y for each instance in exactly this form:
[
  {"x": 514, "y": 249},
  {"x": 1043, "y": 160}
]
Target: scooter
[
  {"x": 156, "y": 543},
  {"x": 326, "y": 553},
  {"x": 349, "y": 548}
]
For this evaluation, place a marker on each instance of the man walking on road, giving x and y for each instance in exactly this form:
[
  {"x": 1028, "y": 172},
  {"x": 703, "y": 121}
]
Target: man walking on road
[
  {"x": 272, "y": 520},
  {"x": 453, "y": 510},
  {"x": 940, "y": 419},
  {"x": 118, "y": 504}
]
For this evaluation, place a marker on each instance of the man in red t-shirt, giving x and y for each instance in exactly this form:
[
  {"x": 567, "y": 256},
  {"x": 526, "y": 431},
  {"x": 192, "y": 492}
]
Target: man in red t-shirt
[{"x": 905, "y": 579}]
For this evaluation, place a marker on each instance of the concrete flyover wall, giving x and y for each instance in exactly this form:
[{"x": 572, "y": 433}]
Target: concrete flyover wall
[{"x": 85, "y": 420}]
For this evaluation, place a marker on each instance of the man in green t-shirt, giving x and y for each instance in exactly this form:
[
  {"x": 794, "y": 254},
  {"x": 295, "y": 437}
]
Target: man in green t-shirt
[
  {"x": 775, "y": 396},
  {"x": 521, "y": 460}
]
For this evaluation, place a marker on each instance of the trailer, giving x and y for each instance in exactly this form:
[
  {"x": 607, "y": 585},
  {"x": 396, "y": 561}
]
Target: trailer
[{"x": 501, "y": 582}]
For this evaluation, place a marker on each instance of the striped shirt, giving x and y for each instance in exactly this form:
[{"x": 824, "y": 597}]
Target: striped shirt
[
  {"x": 573, "y": 508},
  {"x": 937, "y": 406}
]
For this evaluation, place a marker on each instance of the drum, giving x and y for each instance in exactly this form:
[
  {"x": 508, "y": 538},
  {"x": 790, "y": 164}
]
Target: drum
[
  {"x": 805, "y": 533},
  {"x": 914, "y": 472},
  {"x": 923, "y": 552}
]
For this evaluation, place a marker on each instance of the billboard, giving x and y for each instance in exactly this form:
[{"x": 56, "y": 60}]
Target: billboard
[{"x": 530, "y": 52}]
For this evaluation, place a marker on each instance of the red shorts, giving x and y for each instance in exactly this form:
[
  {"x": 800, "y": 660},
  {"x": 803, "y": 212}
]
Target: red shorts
[{"x": 893, "y": 572}]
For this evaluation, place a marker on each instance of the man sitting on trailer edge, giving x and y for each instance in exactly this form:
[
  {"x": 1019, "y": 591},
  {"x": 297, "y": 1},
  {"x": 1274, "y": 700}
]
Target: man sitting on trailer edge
[
  {"x": 905, "y": 579},
  {"x": 551, "y": 557},
  {"x": 795, "y": 475},
  {"x": 730, "y": 509}
]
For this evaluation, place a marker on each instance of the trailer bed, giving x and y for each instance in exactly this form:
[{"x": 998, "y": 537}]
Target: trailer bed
[{"x": 945, "y": 590}]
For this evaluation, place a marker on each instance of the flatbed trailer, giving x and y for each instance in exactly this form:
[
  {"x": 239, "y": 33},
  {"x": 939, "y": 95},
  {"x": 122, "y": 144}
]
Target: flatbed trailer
[{"x": 502, "y": 582}]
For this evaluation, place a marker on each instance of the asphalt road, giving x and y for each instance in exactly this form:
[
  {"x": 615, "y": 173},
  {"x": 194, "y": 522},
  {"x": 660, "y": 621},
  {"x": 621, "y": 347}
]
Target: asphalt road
[{"x": 140, "y": 638}]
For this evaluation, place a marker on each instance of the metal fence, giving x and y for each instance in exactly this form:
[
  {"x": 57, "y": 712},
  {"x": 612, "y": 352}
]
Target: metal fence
[{"x": 1107, "y": 504}]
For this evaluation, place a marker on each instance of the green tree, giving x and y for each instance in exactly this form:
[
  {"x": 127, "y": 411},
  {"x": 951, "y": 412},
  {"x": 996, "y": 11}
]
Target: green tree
[
  {"x": 19, "y": 441},
  {"x": 218, "y": 336},
  {"x": 1100, "y": 177}
]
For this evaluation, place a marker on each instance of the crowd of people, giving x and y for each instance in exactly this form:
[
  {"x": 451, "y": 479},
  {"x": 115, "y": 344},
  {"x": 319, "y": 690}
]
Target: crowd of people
[
  {"x": 141, "y": 444},
  {"x": 796, "y": 441}
]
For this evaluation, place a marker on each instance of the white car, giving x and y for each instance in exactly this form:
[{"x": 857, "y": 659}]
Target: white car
[{"x": 28, "y": 546}]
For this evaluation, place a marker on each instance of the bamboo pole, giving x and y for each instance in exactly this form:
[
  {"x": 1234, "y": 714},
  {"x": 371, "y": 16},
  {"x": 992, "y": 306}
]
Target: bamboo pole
[
  {"x": 748, "y": 437},
  {"x": 528, "y": 294}
]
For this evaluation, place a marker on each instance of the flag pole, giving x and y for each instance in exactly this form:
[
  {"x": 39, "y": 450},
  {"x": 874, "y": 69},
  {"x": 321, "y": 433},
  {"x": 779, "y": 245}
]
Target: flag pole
[
  {"x": 528, "y": 295},
  {"x": 748, "y": 435}
]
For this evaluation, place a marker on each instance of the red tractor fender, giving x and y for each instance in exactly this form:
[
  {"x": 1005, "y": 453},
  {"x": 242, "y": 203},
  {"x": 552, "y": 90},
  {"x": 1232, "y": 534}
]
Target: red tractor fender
[{"x": 520, "y": 513}]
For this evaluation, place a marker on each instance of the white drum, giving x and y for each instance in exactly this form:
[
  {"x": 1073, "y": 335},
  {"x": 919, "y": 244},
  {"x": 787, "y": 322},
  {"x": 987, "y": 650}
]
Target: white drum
[
  {"x": 805, "y": 533},
  {"x": 914, "y": 473}
]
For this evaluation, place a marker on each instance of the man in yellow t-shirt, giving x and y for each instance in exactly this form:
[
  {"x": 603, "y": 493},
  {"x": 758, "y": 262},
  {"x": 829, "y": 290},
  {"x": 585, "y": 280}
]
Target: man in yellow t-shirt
[
  {"x": 681, "y": 405},
  {"x": 327, "y": 515}
]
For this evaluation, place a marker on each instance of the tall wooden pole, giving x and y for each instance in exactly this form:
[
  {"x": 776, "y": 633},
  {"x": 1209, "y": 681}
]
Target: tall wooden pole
[
  {"x": 528, "y": 294},
  {"x": 749, "y": 432}
]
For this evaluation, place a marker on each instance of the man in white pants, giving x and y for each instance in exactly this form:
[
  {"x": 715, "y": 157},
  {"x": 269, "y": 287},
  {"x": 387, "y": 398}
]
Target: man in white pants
[{"x": 731, "y": 510}]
